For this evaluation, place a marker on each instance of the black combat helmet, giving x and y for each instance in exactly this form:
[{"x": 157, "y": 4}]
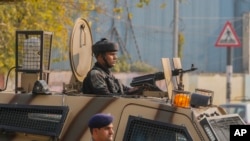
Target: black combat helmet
[{"x": 104, "y": 45}]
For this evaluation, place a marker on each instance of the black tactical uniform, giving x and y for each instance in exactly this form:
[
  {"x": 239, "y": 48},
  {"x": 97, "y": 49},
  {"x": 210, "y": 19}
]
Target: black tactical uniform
[{"x": 99, "y": 79}]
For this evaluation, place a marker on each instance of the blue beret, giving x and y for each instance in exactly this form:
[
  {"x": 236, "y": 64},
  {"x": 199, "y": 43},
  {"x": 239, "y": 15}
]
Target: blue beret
[{"x": 100, "y": 120}]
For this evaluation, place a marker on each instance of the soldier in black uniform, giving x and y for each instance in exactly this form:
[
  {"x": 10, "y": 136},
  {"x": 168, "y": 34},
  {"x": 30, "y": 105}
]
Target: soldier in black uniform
[{"x": 99, "y": 79}]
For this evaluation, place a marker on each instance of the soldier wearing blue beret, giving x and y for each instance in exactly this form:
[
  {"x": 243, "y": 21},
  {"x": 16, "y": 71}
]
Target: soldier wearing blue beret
[{"x": 101, "y": 127}]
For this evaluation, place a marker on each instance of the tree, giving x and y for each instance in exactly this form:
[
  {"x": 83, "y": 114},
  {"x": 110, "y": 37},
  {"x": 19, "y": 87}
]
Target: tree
[
  {"x": 56, "y": 16},
  {"x": 181, "y": 41}
]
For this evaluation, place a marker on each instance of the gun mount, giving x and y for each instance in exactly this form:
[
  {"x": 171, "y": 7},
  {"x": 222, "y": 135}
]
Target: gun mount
[
  {"x": 180, "y": 72},
  {"x": 176, "y": 72},
  {"x": 149, "y": 80}
]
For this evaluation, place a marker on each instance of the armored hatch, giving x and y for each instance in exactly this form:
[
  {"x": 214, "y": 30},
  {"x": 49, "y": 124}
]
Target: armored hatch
[
  {"x": 80, "y": 51},
  {"x": 80, "y": 55}
]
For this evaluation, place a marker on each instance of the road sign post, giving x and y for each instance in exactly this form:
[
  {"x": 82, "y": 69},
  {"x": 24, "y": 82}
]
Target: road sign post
[
  {"x": 229, "y": 71},
  {"x": 228, "y": 38}
]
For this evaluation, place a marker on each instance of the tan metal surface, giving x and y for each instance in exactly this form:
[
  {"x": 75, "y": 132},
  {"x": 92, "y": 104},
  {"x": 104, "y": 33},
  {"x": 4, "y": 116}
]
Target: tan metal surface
[
  {"x": 82, "y": 107},
  {"x": 168, "y": 75},
  {"x": 81, "y": 49}
]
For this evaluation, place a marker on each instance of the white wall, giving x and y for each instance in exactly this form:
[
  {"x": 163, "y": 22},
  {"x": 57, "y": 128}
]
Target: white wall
[{"x": 216, "y": 83}]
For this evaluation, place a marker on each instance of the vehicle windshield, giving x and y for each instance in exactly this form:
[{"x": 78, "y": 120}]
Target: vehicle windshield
[{"x": 236, "y": 109}]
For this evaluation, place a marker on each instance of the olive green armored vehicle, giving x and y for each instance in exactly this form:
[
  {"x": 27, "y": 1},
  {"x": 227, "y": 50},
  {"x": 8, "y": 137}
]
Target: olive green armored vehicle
[{"x": 33, "y": 113}]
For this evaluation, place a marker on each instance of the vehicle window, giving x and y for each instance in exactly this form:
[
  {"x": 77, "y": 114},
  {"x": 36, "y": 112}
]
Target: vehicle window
[
  {"x": 236, "y": 109},
  {"x": 139, "y": 129}
]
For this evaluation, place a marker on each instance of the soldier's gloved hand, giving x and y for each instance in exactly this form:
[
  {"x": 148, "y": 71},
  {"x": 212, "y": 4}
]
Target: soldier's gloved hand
[{"x": 136, "y": 91}]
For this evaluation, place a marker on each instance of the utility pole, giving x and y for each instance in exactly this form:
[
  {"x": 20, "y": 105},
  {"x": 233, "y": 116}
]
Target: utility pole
[{"x": 176, "y": 28}]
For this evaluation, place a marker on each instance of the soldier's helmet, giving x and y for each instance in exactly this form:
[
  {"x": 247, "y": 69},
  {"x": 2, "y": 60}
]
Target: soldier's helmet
[{"x": 104, "y": 45}]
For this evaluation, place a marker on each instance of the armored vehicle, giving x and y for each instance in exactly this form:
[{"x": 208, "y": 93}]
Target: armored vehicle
[{"x": 33, "y": 113}]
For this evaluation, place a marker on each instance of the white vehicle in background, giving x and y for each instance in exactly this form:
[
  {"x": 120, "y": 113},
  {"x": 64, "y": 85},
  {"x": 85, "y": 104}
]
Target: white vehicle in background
[{"x": 241, "y": 107}]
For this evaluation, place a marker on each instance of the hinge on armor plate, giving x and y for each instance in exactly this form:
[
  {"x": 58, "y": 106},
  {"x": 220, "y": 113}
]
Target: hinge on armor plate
[{"x": 72, "y": 88}]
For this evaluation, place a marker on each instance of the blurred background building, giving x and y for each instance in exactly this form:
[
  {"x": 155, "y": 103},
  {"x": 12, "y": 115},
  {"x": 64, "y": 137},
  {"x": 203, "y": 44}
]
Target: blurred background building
[{"x": 148, "y": 35}]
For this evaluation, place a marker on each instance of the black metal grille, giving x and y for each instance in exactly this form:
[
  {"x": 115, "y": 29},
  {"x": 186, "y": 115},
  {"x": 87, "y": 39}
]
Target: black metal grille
[
  {"x": 43, "y": 120},
  {"x": 139, "y": 129},
  {"x": 219, "y": 127},
  {"x": 33, "y": 50}
]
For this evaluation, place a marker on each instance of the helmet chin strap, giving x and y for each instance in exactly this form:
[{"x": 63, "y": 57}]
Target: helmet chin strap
[{"x": 105, "y": 61}]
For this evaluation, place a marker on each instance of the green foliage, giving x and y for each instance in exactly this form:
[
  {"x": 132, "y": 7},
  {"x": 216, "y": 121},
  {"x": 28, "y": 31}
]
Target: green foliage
[
  {"x": 142, "y": 3},
  {"x": 139, "y": 66},
  {"x": 48, "y": 15},
  {"x": 181, "y": 42},
  {"x": 7, "y": 55},
  {"x": 124, "y": 66},
  {"x": 163, "y": 5},
  {"x": 55, "y": 16},
  {"x": 118, "y": 10}
]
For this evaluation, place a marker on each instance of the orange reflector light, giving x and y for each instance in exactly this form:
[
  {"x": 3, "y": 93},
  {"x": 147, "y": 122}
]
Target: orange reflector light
[{"x": 181, "y": 99}]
